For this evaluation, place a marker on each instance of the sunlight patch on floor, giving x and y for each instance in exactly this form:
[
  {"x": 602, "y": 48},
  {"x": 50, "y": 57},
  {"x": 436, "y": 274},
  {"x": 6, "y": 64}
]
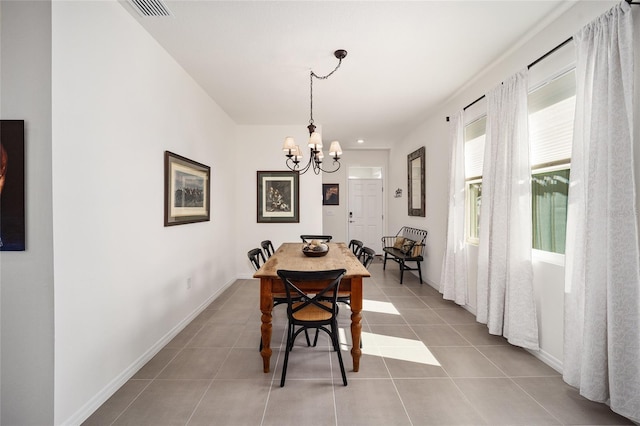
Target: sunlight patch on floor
[
  {"x": 399, "y": 348},
  {"x": 380, "y": 307},
  {"x": 383, "y": 340},
  {"x": 420, "y": 355}
]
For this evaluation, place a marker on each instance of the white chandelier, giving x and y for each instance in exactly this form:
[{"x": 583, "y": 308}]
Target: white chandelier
[{"x": 294, "y": 153}]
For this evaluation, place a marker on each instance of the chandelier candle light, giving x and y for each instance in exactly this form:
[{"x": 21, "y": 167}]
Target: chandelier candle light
[{"x": 292, "y": 151}]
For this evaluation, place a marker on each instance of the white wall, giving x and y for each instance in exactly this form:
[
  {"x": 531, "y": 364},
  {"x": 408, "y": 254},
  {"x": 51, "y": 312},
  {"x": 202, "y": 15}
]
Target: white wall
[
  {"x": 433, "y": 133},
  {"x": 27, "y": 277},
  {"x": 120, "y": 101},
  {"x": 335, "y": 218},
  {"x": 259, "y": 148}
]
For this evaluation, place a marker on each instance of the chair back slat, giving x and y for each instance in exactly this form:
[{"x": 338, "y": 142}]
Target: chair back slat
[
  {"x": 256, "y": 257},
  {"x": 356, "y": 247},
  {"x": 366, "y": 256},
  {"x": 301, "y": 300},
  {"x": 415, "y": 234},
  {"x": 306, "y": 238},
  {"x": 267, "y": 247}
]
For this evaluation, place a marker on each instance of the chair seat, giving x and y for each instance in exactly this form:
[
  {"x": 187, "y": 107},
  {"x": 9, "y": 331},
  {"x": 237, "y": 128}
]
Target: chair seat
[{"x": 312, "y": 313}]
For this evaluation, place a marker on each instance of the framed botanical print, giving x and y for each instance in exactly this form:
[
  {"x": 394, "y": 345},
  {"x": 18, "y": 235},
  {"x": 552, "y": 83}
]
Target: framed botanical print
[
  {"x": 186, "y": 190},
  {"x": 278, "y": 197}
]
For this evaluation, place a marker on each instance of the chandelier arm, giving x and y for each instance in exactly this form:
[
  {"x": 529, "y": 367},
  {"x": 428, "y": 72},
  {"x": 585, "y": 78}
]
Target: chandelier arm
[
  {"x": 288, "y": 163},
  {"x": 296, "y": 167},
  {"x": 329, "y": 171},
  {"x": 304, "y": 170},
  {"x": 312, "y": 164}
]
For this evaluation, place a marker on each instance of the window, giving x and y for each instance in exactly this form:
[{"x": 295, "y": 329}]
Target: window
[
  {"x": 549, "y": 192},
  {"x": 551, "y": 114},
  {"x": 474, "y": 199},
  {"x": 474, "y": 136}
]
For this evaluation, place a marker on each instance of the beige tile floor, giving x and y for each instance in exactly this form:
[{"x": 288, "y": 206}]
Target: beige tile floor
[{"x": 426, "y": 362}]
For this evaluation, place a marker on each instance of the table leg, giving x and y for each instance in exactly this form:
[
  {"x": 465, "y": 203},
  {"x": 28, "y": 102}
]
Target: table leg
[
  {"x": 356, "y": 319},
  {"x": 266, "y": 306}
]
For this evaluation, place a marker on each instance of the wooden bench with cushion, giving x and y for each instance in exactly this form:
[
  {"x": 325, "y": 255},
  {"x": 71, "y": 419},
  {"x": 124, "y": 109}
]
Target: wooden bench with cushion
[{"x": 406, "y": 246}]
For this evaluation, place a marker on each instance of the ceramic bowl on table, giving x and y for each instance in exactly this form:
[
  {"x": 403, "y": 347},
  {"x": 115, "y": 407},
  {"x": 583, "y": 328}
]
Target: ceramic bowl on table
[{"x": 315, "y": 249}]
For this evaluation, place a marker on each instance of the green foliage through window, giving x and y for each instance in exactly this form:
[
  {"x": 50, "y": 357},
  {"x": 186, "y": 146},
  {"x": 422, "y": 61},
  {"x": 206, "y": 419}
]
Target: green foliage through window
[{"x": 549, "y": 204}]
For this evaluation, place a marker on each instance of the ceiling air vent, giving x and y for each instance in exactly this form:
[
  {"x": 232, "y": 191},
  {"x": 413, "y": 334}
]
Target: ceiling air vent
[{"x": 150, "y": 7}]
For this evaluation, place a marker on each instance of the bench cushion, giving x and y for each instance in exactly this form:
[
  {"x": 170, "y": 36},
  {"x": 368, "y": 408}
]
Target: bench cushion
[
  {"x": 401, "y": 255},
  {"x": 398, "y": 243},
  {"x": 407, "y": 246}
]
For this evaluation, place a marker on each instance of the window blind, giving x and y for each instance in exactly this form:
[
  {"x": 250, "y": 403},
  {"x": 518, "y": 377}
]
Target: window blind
[
  {"x": 474, "y": 136},
  {"x": 551, "y": 114}
]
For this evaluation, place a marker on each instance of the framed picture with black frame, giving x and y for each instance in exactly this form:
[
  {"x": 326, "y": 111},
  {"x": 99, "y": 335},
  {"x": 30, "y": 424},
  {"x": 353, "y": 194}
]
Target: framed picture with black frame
[
  {"x": 416, "y": 182},
  {"x": 330, "y": 194},
  {"x": 186, "y": 190},
  {"x": 278, "y": 197},
  {"x": 12, "y": 186}
]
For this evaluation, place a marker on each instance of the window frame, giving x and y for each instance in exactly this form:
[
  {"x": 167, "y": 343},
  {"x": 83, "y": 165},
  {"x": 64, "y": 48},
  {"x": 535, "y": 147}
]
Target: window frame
[
  {"x": 476, "y": 113},
  {"x": 563, "y": 164},
  {"x": 473, "y": 240}
]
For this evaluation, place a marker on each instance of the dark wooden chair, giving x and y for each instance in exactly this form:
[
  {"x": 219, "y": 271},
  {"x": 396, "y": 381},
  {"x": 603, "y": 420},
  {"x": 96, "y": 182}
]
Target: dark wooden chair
[
  {"x": 256, "y": 257},
  {"x": 366, "y": 256},
  {"x": 267, "y": 247},
  {"x": 257, "y": 260},
  {"x": 356, "y": 247},
  {"x": 317, "y": 312},
  {"x": 307, "y": 238}
]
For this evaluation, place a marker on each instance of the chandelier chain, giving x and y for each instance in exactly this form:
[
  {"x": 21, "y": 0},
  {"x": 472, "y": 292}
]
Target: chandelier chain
[
  {"x": 292, "y": 151},
  {"x": 319, "y": 77}
]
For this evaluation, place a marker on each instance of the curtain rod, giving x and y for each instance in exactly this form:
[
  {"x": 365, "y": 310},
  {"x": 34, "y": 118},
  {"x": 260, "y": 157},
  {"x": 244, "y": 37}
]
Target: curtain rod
[
  {"x": 538, "y": 60},
  {"x": 528, "y": 67}
]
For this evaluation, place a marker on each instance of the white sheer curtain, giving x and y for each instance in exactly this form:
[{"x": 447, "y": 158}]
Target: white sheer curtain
[
  {"x": 505, "y": 273},
  {"x": 602, "y": 278},
  {"x": 453, "y": 283}
]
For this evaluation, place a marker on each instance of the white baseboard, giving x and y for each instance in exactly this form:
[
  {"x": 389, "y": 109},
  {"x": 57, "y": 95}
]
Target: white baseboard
[
  {"x": 542, "y": 355},
  {"x": 101, "y": 397},
  {"x": 548, "y": 359},
  {"x": 246, "y": 277}
]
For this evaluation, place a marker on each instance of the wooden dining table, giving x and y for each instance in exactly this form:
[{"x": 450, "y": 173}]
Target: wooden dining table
[{"x": 289, "y": 256}]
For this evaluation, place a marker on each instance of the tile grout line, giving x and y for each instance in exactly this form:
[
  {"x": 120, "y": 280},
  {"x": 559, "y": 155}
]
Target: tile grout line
[
  {"x": 131, "y": 403},
  {"x": 536, "y": 401},
  {"x": 195, "y": 408},
  {"x": 449, "y": 377},
  {"x": 272, "y": 381},
  {"x": 507, "y": 376}
]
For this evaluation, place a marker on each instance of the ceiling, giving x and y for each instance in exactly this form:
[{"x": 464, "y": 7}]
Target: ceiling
[{"x": 404, "y": 57}]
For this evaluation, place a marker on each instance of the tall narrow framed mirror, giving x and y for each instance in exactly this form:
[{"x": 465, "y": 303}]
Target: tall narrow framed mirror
[{"x": 415, "y": 177}]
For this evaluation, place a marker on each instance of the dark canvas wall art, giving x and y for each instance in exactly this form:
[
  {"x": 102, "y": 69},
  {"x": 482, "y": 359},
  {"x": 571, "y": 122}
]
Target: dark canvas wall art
[{"x": 12, "y": 212}]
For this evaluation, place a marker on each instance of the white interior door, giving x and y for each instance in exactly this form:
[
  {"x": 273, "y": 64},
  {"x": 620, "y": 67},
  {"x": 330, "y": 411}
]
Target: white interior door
[{"x": 365, "y": 212}]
